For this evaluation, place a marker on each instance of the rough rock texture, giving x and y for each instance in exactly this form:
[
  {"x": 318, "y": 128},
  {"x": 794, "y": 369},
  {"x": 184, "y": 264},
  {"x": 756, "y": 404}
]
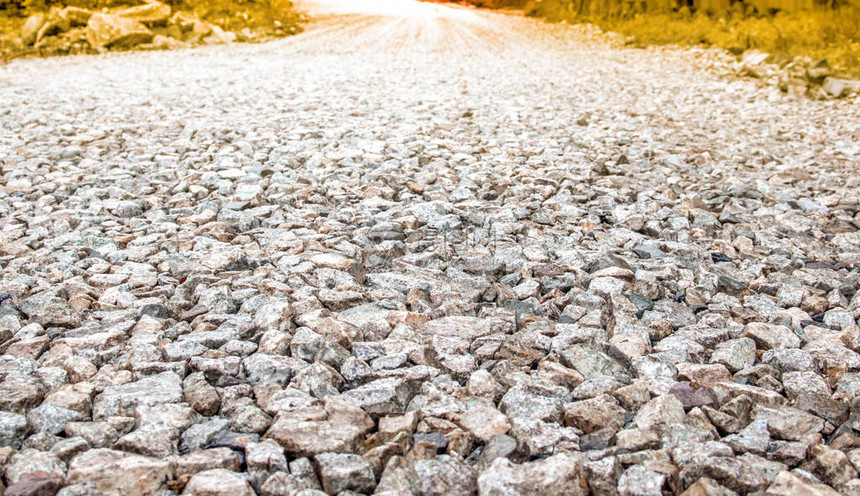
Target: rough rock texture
[
  {"x": 117, "y": 473},
  {"x": 430, "y": 251},
  {"x": 37, "y": 483},
  {"x": 218, "y": 482},
  {"x": 151, "y": 25},
  {"x": 113, "y": 31},
  {"x": 797, "y": 76},
  {"x": 559, "y": 474}
]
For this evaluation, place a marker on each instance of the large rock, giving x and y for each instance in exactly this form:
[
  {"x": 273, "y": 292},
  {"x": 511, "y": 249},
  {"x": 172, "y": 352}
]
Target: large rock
[
  {"x": 660, "y": 412},
  {"x": 484, "y": 422},
  {"x": 336, "y": 426},
  {"x": 558, "y": 474},
  {"x": 207, "y": 459},
  {"x": 113, "y": 31},
  {"x": 595, "y": 414},
  {"x": 50, "y": 308},
  {"x": 693, "y": 395},
  {"x": 444, "y": 475},
  {"x": 60, "y": 21},
  {"x": 35, "y": 484},
  {"x": 640, "y": 481},
  {"x": 31, "y": 28},
  {"x": 20, "y": 396},
  {"x": 76, "y": 15},
  {"x": 839, "y": 87},
  {"x": 51, "y": 418},
  {"x": 735, "y": 354},
  {"x": 265, "y": 456},
  {"x": 745, "y": 474},
  {"x": 706, "y": 486},
  {"x": 218, "y": 482},
  {"x": 124, "y": 399},
  {"x": 592, "y": 363},
  {"x": 788, "y": 484},
  {"x": 33, "y": 460},
  {"x": 788, "y": 423},
  {"x": 116, "y": 473},
  {"x": 387, "y": 396},
  {"x": 342, "y": 472},
  {"x": 771, "y": 336},
  {"x": 534, "y": 401},
  {"x": 150, "y": 13},
  {"x": 468, "y": 328},
  {"x": 831, "y": 465},
  {"x": 13, "y": 428}
]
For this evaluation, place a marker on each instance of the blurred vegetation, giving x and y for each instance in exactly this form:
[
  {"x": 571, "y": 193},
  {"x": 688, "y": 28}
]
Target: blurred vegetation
[
  {"x": 499, "y": 4},
  {"x": 830, "y": 31},
  {"x": 234, "y": 15},
  {"x": 229, "y": 14}
]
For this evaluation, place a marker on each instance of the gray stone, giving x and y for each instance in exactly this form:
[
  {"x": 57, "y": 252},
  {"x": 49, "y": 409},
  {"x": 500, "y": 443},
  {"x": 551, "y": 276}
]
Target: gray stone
[
  {"x": 788, "y": 484},
  {"x": 13, "y": 429},
  {"x": 335, "y": 426},
  {"x": 595, "y": 414},
  {"x": 121, "y": 400},
  {"x": 29, "y": 461},
  {"x": 640, "y": 481},
  {"x": 387, "y": 396},
  {"x": 502, "y": 446},
  {"x": 35, "y": 484},
  {"x": 788, "y": 423},
  {"x": 51, "y": 418},
  {"x": 207, "y": 459},
  {"x": 282, "y": 484},
  {"x": 265, "y": 456},
  {"x": 561, "y": 474},
  {"x": 591, "y": 363},
  {"x": 342, "y": 472},
  {"x": 115, "y": 473},
  {"x": 218, "y": 482},
  {"x": 831, "y": 465},
  {"x": 660, "y": 412},
  {"x": 735, "y": 354},
  {"x": 770, "y": 336}
]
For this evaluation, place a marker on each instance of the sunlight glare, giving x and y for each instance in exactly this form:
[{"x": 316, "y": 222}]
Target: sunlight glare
[{"x": 393, "y": 8}]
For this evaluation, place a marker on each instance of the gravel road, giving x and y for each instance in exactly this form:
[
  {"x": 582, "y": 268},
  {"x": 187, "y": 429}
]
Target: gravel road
[{"x": 424, "y": 249}]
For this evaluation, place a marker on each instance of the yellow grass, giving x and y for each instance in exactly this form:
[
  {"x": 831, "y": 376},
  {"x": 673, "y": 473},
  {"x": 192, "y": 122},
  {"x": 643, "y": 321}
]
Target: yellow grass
[
  {"x": 228, "y": 14},
  {"x": 830, "y": 34}
]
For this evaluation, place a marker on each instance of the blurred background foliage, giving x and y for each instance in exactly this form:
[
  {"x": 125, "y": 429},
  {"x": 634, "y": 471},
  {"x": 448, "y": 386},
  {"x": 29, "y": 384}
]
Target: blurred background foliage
[
  {"x": 228, "y": 14},
  {"x": 818, "y": 29}
]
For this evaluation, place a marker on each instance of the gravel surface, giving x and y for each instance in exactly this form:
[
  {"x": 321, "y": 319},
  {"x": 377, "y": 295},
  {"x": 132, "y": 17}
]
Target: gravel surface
[{"x": 425, "y": 250}]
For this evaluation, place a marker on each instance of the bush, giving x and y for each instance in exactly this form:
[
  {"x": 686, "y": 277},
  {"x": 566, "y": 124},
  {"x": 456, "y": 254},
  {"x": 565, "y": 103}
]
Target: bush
[
  {"x": 829, "y": 33},
  {"x": 233, "y": 15},
  {"x": 237, "y": 14},
  {"x": 498, "y": 4}
]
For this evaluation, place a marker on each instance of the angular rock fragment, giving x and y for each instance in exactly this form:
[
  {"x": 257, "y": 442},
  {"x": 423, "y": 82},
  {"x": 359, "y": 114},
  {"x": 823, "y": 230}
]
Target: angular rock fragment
[
  {"x": 116, "y": 473},
  {"x": 218, "y": 482},
  {"x": 342, "y": 472},
  {"x": 334, "y": 426},
  {"x": 113, "y": 31},
  {"x": 560, "y": 473}
]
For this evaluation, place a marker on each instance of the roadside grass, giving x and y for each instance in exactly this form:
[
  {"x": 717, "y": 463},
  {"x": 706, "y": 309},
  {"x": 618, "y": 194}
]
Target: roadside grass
[
  {"x": 232, "y": 15},
  {"x": 826, "y": 34},
  {"x": 271, "y": 18}
]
